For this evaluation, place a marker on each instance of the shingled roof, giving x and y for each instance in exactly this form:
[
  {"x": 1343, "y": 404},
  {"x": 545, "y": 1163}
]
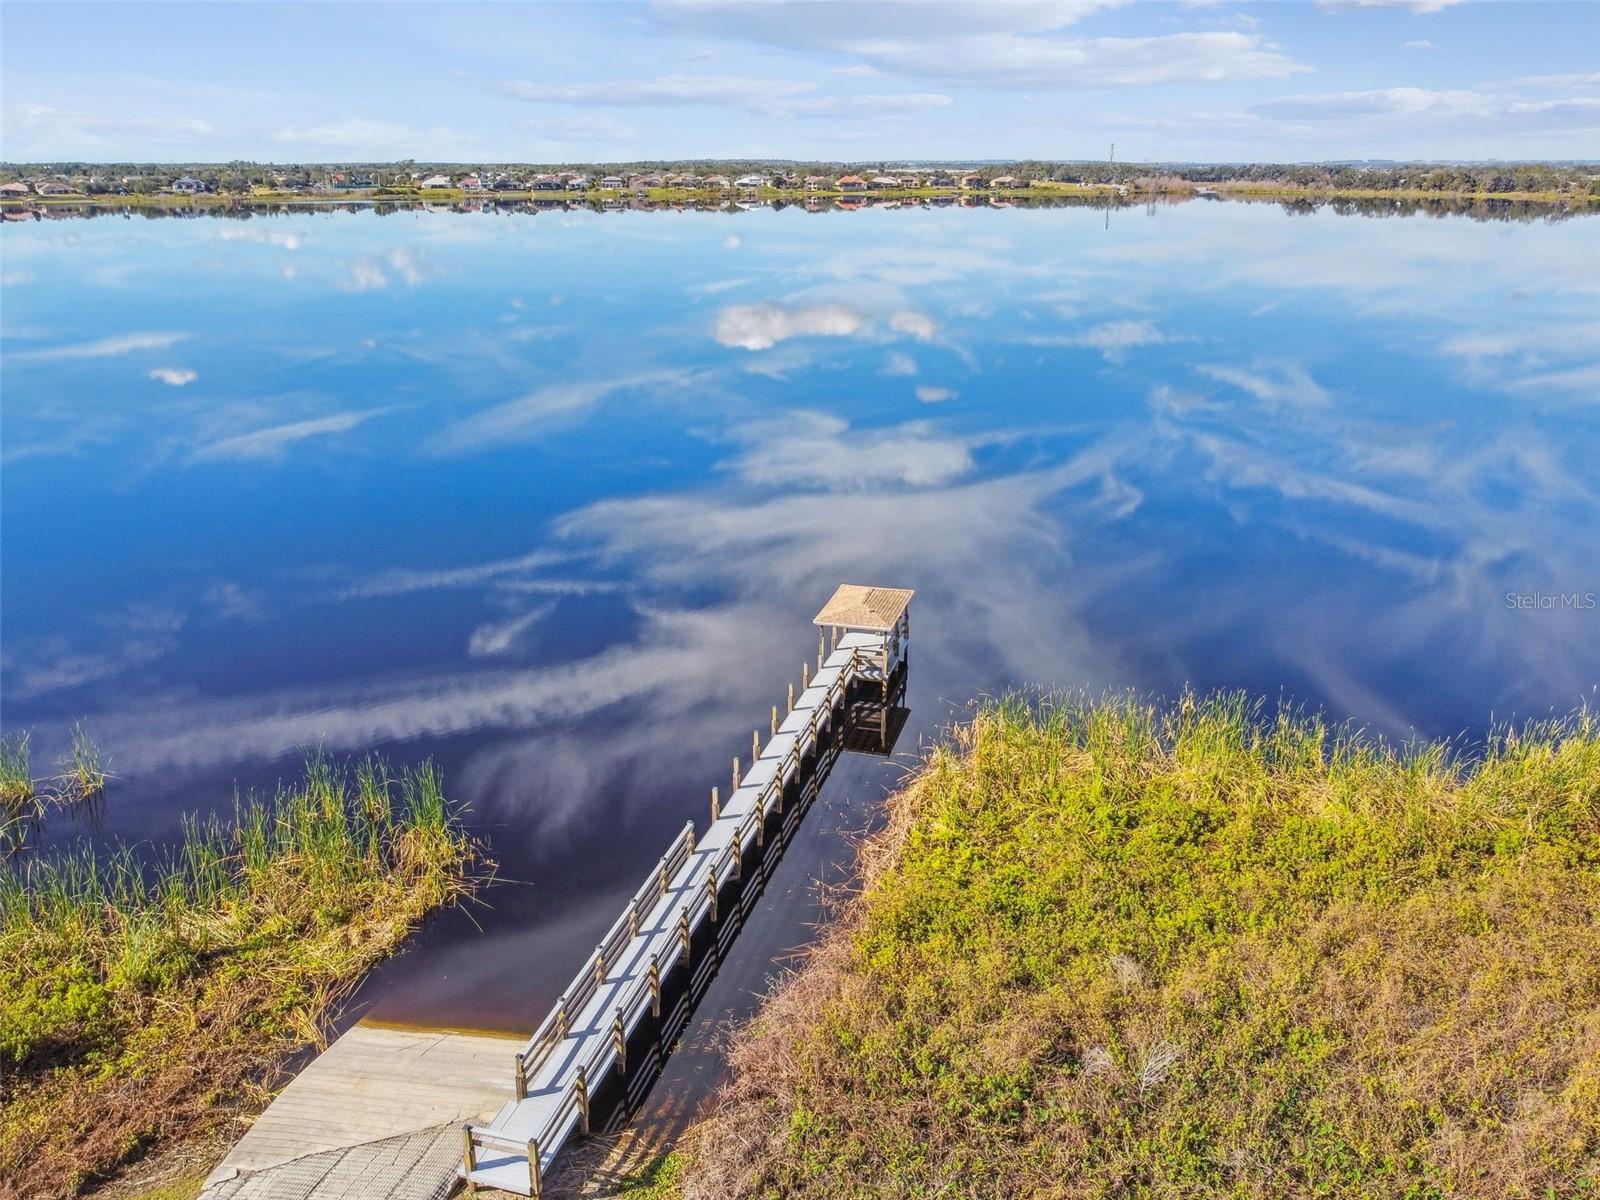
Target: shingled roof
[{"x": 856, "y": 607}]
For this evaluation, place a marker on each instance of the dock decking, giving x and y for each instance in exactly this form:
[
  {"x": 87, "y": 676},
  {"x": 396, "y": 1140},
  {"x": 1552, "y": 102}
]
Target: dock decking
[{"x": 583, "y": 1044}]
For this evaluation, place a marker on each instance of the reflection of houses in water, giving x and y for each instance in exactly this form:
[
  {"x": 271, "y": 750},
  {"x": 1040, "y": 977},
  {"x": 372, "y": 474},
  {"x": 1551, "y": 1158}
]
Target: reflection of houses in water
[{"x": 594, "y": 1058}]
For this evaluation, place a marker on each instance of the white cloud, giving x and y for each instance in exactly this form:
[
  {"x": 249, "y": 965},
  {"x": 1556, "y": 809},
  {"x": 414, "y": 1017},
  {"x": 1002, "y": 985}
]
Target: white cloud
[
  {"x": 497, "y": 637},
  {"x": 365, "y": 135},
  {"x": 914, "y": 324},
  {"x": 548, "y": 408},
  {"x": 1416, "y": 6},
  {"x": 732, "y": 242},
  {"x": 1420, "y": 44},
  {"x": 809, "y": 449},
  {"x": 935, "y": 395},
  {"x": 1275, "y": 384},
  {"x": 60, "y": 131},
  {"x": 109, "y": 347},
  {"x": 1469, "y": 108},
  {"x": 15, "y": 278},
  {"x": 899, "y": 364},
  {"x": 1571, "y": 79},
  {"x": 1005, "y": 44},
  {"x": 272, "y": 442},
  {"x": 762, "y": 326},
  {"x": 267, "y": 237},
  {"x": 174, "y": 376},
  {"x": 764, "y": 96},
  {"x": 371, "y": 274},
  {"x": 1113, "y": 339}
]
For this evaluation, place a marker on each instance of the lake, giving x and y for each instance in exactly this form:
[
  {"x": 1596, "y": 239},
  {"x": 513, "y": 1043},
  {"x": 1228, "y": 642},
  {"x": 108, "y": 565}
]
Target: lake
[{"x": 552, "y": 497}]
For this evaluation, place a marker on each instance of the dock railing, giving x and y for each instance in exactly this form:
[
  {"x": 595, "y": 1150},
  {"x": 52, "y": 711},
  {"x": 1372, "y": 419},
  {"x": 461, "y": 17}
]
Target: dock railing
[{"x": 651, "y": 935}]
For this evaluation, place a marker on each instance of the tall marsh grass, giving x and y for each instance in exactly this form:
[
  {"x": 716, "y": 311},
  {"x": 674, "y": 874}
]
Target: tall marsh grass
[
  {"x": 1119, "y": 949},
  {"x": 143, "y": 1000}
]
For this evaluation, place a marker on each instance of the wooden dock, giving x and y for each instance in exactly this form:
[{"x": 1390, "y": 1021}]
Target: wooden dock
[{"x": 582, "y": 1047}]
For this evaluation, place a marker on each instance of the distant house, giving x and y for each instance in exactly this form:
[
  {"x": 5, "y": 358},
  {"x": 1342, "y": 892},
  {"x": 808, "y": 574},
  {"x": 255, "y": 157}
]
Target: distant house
[
  {"x": 910, "y": 181},
  {"x": 749, "y": 181},
  {"x": 470, "y": 183},
  {"x": 649, "y": 181},
  {"x": 880, "y": 182},
  {"x": 435, "y": 181},
  {"x": 941, "y": 180},
  {"x": 15, "y": 188},
  {"x": 612, "y": 182},
  {"x": 851, "y": 183},
  {"x": 547, "y": 183},
  {"x": 969, "y": 182},
  {"x": 578, "y": 183},
  {"x": 1007, "y": 181},
  {"x": 188, "y": 185},
  {"x": 818, "y": 183},
  {"x": 720, "y": 182}
]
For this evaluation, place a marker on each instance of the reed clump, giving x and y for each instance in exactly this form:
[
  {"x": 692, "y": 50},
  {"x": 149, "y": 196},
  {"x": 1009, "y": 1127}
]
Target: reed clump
[
  {"x": 19, "y": 800},
  {"x": 1117, "y": 949},
  {"x": 147, "y": 1002}
]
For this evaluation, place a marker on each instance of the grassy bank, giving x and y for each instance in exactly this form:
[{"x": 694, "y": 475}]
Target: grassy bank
[
  {"x": 143, "y": 1004},
  {"x": 1118, "y": 950}
]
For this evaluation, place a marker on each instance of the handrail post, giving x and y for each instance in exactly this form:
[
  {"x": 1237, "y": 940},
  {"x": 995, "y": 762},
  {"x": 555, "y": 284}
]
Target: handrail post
[
  {"x": 661, "y": 877},
  {"x": 619, "y": 1041},
  {"x": 535, "y": 1171},
  {"x": 561, "y": 1017},
  {"x": 791, "y": 695},
  {"x": 522, "y": 1077},
  {"x": 711, "y": 894},
  {"x": 736, "y": 774},
  {"x": 805, "y": 675},
  {"x": 688, "y": 833},
  {"x": 774, "y": 729},
  {"x": 819, "y": 649},
  {"x": 633, "y": 917},
  {"x": 716, "y": 805},
  {"x": 469, "y": 1151},
  {"x": 736, "y": 851},
  {"x": 655, "y": 986},
  {"x": 755, "y": 745},
  {"x": 761, "y": 821},
  {"x": 683, "y": 933},
  {"x": 600, "y": 966},
  {"x": 583, "y": 1099}
]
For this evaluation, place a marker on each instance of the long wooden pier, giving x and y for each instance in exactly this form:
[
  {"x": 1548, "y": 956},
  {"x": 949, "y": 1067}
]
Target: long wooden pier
[{"x": 582, "y": 1045}]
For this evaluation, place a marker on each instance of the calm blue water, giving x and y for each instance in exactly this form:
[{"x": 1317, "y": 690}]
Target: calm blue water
[{"x": 553, "y": 497}]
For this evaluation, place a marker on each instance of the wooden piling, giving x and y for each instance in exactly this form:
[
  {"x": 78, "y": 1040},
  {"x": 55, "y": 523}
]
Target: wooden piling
[{"x": 716, "y": 806}]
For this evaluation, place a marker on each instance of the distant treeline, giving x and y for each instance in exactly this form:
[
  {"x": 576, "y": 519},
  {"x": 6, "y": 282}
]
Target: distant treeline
[{"x": 1527, "y": 177}]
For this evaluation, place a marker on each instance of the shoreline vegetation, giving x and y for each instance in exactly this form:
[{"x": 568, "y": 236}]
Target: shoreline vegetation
[
  {"x": 26, "y": 801},
  {"x": 1122, "y": 949},
  {"x": 145, "y": 1005},
  {"x": 1133, "y": 193}
]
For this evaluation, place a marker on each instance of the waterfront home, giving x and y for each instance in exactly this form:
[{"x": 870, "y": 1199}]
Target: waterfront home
[
  {"x": 547, "y": 183},
  {"x": 971, "y": 181},
  {"x": 941, "y": 180},
  {"x": 470, "y": 183},
  {"x": 720, "y": 182},
  {"x": 186, "y": 185},
  {"x": 910, "y": 181},
  {"x": 578, "y": 183},
  {"x": 612, "y": 182},
  {"x": 851, "y": 183},
  {"x": 1007, "y": 181},
  {"x": 15, "y": 188},
  {"x": 880, "y": 182},
  {"x": 435, "y": 181},
  {"x": 818, "y": 183},
  {"x": 749, "y": 181}
]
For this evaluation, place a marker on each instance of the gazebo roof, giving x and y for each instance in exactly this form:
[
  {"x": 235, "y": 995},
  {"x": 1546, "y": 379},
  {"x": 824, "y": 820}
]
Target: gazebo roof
[{"x": 872, "y": 608}]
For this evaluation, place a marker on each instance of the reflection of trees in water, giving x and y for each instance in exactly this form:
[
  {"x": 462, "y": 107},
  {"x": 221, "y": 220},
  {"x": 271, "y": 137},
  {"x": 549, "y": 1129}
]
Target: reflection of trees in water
[{"x": 1473, "y": 208}]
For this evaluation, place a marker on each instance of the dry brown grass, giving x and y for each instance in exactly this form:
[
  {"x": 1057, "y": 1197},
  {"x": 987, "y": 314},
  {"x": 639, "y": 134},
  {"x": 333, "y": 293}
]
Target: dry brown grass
[{"x": 1111, "y": 951}]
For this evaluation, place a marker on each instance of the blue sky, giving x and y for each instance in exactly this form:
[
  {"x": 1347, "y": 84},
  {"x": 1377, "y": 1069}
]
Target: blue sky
[{"x": 1204, "y": 79}]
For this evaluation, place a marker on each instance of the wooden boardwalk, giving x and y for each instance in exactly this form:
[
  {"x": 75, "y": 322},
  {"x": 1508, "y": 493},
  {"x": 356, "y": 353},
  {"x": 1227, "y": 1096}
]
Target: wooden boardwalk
[
  {"x": 582, "y": 1046},
  {"x": 374, "y": 1085}
]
